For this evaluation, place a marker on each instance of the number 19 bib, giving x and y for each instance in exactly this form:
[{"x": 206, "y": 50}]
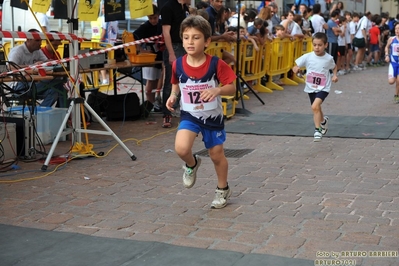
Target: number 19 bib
[
  {"x": 190, "y": 97},
  {"x": 316, "y": 81}
]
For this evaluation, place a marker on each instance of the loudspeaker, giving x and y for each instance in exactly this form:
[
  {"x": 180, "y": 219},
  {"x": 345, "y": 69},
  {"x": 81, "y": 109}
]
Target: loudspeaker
[
  {"x": 122, "y": 107},
  {"x": 25, "y": 127}
]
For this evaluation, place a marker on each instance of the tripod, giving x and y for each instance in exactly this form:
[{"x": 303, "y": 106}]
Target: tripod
[
  {"x": 239, "y": 78},
  {"x": 77, "y": 104}
]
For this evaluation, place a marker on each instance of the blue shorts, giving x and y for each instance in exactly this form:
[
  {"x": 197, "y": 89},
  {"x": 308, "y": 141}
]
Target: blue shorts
[
  {"x": 321, "y": 94},
  {"x": 374, "y": 47},
  {"x": 211, "y": 138},
  {"x": 393, "y": 70}
]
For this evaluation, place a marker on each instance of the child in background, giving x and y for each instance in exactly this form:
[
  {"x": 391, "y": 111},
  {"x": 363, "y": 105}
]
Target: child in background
[
  {"x": 318, "y": 79},
  {"x": 196, "y": 76},
  {"x": 375, "y": 44},
  {"x": 152, "y": 75},
  {"x": 392, "y": 55},
  {"x": 342, "y": 46}
]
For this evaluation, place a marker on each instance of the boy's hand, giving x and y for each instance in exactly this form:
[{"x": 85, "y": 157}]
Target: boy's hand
[
  {"x": 209, "y": 95},
  {"x": 170, "y": 102},
  {"x": 387, "y": 59},
  {"x": 334, "y": 78},
  {"x": 295, "y": 69}
]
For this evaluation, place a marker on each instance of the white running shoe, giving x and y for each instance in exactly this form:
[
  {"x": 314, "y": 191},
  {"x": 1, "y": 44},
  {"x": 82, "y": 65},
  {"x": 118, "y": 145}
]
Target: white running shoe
[
  {"x": 357, "y": 68},
  {"x": 324, "y": 128},
  {"x": 221, "y": 197},
  {"x": 190, "y": 174},
  {"x": 317, "y": 136}
]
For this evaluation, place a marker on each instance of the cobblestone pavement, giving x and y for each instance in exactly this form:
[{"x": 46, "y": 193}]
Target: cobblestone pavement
[{"x": 291, "y": 197}]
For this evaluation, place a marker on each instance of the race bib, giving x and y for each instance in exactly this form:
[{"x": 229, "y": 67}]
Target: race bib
[
  {"x": 395, "y": 49},
  {"x": 316, "y": 81},
  {"x": 190, "y": 97}
]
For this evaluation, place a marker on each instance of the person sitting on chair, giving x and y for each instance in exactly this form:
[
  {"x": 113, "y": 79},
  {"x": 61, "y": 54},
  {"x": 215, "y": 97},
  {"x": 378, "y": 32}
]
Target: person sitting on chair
[{"x": 30, "y": 53}]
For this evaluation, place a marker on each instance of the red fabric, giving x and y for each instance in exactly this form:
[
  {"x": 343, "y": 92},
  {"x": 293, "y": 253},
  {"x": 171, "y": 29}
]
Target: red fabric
[
  {"x": 50, "y": 55},
  {"x": 374, "y": 32},
  {"x": 224, "y": 74}
]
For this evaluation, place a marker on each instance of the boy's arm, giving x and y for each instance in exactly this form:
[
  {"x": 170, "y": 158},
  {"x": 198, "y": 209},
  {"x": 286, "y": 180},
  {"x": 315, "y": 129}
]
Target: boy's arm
[
  {"x": 335, "y": 77},
  {"x": 173, "y": 97}
]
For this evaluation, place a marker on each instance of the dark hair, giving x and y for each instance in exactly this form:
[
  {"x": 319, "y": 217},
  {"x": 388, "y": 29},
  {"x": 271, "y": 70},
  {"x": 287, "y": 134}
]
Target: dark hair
[
  {"x": 335, "y": 13},
  {"x": 378, "y": 21},
  {"x": 201, "y": 5},
  {"x": 355, "y": 15},
  {"x": 258, "y": 21},
  {"x": 320, "y": 36},
  {"x": 198, "y": 23},
  {"x": 249, "y": 15},
  {"x": 316, "y": 8},
  {"x": 155, "y": 10}
]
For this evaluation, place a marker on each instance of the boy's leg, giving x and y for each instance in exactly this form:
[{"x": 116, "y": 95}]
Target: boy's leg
[
  {"x": 185, "y": 137},
  {"x": 317, "y": 112},
  {"x": 223, "y": 191},
  {"x": 219, "y": 160},
  {"x": 183, "y": 146}
]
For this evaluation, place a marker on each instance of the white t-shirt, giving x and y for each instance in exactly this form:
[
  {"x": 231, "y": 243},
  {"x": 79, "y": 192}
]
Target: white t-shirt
[
  {"x": 317, "y": 23},
  {"x": 348, "y": 33},
  {"x": 318, "y": 77},
  {"x": 362, "y": 24},
  {"x": 352, "y": 27},
  {"x": 341, "y": 39},
  {"x": 43, "y": 20},
  {"x": 296, "y": 29},
  {"x": 20, "y": 55},
  {"x": 234, "y": 21}
]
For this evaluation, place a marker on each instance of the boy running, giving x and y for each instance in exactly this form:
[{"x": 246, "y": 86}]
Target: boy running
[
  {"x": 196, "y": 76},
  {"x": 318, "y": 80},
  {"x": 393, "y": 57}
]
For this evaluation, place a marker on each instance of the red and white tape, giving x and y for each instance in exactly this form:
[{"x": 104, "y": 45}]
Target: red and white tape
[
  {"x": 80, "y": 56},
  {"x": 40, "y": 35}
]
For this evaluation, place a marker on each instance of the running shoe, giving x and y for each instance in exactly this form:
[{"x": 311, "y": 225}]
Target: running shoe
[
  {"x": 221, "y": 197},
  {"x": 190, "y": 174}
]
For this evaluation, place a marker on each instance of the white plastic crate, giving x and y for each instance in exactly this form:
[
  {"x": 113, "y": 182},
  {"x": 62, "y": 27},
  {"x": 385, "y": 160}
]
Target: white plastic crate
[{"x": 48, "y": 121}]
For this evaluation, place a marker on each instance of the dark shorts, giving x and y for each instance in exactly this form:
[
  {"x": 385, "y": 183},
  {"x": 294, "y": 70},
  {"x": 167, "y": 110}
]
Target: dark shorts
[
  {"x": 341, "y": 50},
  {"x": 332, "y": 49},
  {"x": 359, "y": 42},
  {"x": 374, "y": 48},
  {"x": 321, "y": 94},
  {"x": 349, "y": 46}
]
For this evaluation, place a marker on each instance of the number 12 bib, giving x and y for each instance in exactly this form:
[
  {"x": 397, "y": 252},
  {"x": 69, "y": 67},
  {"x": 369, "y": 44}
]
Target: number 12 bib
[{"x": 190, "y": 96}]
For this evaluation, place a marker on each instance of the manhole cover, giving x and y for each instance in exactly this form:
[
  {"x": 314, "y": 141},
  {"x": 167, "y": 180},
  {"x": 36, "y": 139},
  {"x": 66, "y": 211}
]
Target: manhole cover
[{"x": 230, "y": 153}]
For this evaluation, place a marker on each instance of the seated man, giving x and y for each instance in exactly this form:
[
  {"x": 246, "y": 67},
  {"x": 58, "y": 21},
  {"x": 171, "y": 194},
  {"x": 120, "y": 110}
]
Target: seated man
[{"x": 30, "y": 53}]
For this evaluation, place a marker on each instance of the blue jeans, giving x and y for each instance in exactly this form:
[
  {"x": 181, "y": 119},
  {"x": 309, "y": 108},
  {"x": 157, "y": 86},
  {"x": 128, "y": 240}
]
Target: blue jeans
[
  {"x": 167, "y": 86},
  {"x": 50, "y": 91}
]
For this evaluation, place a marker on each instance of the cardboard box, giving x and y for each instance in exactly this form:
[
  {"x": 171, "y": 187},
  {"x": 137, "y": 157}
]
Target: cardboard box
[{"x": 229, "y": 106}]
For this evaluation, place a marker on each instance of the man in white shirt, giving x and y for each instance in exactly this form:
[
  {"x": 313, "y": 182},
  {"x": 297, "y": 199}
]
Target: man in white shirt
[
  {"x": 360, "y": 40},
  {"x": 29, "y": 53},
  {"x": 318, "y": 22}
]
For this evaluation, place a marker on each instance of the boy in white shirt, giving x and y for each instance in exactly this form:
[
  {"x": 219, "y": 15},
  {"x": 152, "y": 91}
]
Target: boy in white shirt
[{"x": 318, "y": 80}]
